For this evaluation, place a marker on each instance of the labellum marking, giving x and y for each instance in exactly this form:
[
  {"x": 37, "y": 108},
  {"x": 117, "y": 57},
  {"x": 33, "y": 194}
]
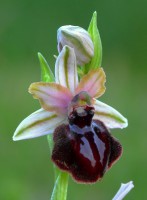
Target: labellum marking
[{"x": 84, "y": 147}]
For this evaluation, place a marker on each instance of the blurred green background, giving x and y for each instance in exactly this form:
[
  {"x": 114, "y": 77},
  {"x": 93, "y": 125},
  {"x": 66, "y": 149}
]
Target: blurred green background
[{"x": 29, "y": 26}]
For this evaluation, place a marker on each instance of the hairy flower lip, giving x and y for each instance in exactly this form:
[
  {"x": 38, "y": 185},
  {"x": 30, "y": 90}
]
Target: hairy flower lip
[{"x": 89, "y": 151}]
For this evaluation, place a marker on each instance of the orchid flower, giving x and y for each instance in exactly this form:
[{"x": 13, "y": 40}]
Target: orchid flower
[
  {"x": 76, "y": 123},
  {"x": 70, "y": 110}
]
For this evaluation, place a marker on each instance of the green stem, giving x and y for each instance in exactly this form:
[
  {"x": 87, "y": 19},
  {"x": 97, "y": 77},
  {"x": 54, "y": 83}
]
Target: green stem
[
  {"x": 61, "y": 179},
  {"x": 60, "y": 187},
  {"x": 50, "y": 142}
]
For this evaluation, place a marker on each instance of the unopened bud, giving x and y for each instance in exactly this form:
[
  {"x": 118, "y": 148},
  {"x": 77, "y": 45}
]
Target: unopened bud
[{"x": 79, "y": 39}]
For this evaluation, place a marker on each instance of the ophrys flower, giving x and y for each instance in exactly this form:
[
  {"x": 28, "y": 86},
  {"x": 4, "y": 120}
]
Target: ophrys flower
[{"x": 70, "y": 111}]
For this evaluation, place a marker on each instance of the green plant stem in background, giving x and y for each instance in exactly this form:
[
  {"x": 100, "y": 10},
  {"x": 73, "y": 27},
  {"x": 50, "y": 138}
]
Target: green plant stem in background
[
  {"x": 60, "y": 187},
  {"x": 50, "y": 142},
  {"x": 61, "y": 178}
]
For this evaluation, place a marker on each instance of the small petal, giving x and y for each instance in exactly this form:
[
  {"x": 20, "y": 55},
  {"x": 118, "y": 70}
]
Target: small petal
[
  {"x": 66, "y": 69},
  {"x": 123, "y": 191},
  {"x": 93, "y": 83},
  {"x": 52, "y": 96},
  {"x": 109, "y": 116},
  {"x": 77, "y": 38},
  {"x": 37, "y": 124}
]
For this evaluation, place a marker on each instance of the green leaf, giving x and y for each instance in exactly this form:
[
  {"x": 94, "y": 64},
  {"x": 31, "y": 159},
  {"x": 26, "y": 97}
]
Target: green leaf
[
  {"x": 46, "y": 76},
  {"x": 95, "y": 36},
  {"x": 46, "y": 72},
  {"x": 60, "y": 187}
]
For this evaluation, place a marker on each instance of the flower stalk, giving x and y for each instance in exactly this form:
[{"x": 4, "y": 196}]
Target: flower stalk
[
  {"x": 60, "y": 187},
  {"x": 61, "y": 178}
]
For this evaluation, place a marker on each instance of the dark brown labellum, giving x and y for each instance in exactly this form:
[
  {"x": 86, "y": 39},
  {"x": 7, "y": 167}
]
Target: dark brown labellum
[{"x": 84, "y": 147}]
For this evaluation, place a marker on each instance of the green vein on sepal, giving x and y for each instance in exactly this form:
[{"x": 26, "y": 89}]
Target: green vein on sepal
[
  {"x": 36, "y": 123},
  {"x": 95, "y": 36},
  {"x": 66, "y": 56},
  {"x": 46, "y": 72},
  {"x": 111, "y": 116}
]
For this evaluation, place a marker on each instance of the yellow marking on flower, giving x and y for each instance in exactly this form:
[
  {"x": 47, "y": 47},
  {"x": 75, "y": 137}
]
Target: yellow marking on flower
[{"x": 93, "y": 83}]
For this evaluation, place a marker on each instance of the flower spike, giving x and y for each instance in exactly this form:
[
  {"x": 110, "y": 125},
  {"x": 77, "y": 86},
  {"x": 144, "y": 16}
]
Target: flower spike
[{"x": 83, "y": 145}]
